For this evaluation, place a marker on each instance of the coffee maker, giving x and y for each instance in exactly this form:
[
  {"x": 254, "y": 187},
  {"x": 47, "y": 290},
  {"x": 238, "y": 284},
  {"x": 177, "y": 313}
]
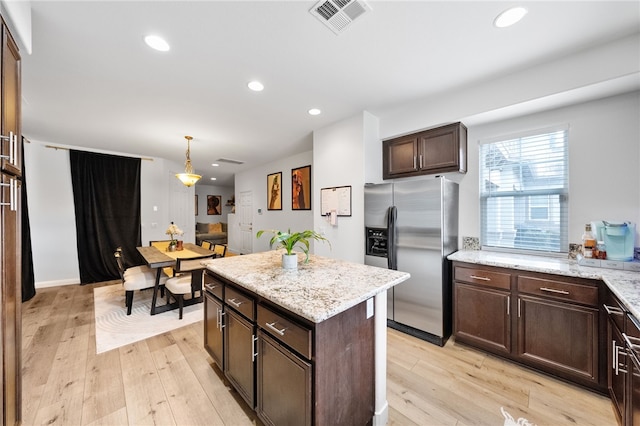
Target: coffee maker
[{"x": 618, "y": 237}]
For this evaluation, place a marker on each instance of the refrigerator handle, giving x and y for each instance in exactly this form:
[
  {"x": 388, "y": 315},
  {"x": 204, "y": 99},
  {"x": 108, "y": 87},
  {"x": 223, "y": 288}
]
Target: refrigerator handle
[{"x": 391, "y": 236}]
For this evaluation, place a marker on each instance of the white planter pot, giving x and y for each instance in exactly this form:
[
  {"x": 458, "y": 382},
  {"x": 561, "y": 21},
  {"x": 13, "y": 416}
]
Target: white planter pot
[{"x": 290, "y": 261}]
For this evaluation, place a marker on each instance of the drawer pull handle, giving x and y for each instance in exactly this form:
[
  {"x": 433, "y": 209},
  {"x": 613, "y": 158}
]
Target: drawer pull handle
[
  {"x": 553, "y": 290},
  {"x": 210, "y": 286},
  {"x": 612, "y": 310},
  {"x": 234, "y": 302},
  {"x": 475, "y": 277},
  {"x": 272, "y": 326},
  {"x": 632, "y": 342}
]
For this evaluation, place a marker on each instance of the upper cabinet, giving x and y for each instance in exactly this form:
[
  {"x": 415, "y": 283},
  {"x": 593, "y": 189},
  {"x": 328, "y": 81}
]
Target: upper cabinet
[
  {"x": 10, "y": 134},
  {"x": 439, "y": 150}
]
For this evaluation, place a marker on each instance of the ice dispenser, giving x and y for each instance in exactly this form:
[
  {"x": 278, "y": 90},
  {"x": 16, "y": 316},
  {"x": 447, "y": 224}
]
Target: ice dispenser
[{"x": 618, "y": 237}]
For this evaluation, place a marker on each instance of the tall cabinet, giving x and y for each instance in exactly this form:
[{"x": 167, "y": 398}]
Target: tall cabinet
[{"x": 10, "y": 223}]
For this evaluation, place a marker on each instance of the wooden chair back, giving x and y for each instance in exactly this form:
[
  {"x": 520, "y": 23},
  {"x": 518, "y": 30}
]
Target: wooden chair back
[
  {"x": 206, "y": 244},
  {"x": 220, "y": 250},
  {"x": 190, "y": 264}
]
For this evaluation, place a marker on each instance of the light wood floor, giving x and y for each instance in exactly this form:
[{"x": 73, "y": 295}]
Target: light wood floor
[{"x": 170, "y": 379}]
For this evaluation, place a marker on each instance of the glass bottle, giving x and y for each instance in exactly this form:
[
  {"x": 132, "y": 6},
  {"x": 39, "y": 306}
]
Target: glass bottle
[{"x": 588, "y": 242}]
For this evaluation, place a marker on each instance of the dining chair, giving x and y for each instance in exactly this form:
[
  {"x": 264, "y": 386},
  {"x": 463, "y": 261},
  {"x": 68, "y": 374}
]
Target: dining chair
[
  {"x": 220, "y": 250},
  {"x": 188, "y": 279},
  {"x": 206, "y": 244},
  {"x": 136, "y": 279}
]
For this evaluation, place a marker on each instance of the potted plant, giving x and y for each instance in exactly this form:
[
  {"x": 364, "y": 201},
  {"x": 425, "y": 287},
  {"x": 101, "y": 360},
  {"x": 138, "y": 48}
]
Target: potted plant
[
  {"x": 289, "y": 240},
  {"x": 173, "y": 230}
]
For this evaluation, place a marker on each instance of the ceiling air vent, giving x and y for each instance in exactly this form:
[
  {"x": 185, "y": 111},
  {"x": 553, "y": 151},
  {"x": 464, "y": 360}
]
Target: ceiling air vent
[
  {"x": 339, "y": 14},
  {"x": 228, "y": 160}
]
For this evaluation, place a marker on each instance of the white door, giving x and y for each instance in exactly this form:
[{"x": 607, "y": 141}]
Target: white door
[{"x": 245, "y": 211}]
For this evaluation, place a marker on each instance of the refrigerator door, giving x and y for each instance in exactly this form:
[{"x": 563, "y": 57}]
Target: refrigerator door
[
  {"x": 418, "y": 301},
  {"x": 377, "y": 200}
]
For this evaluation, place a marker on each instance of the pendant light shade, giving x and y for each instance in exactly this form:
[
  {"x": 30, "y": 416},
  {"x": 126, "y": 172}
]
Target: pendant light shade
[{"x": 188, "y": 178}]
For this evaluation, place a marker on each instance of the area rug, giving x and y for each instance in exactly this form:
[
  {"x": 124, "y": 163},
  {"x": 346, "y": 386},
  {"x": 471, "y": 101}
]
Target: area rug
[{"x": 114, "y": 328}]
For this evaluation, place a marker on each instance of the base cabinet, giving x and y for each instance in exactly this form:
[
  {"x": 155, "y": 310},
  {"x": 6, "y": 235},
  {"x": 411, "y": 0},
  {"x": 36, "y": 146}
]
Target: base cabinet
[
  {"x": 289, "y": 370},
  {"x": 213, "y": 329},
  {"x": 284, "y": 384},
  {"x": 239, "y": 355},
  {"x": 546, "y": 322},
  {"x": 559, "y": 337},
  {"x": 476, "y": 320}
]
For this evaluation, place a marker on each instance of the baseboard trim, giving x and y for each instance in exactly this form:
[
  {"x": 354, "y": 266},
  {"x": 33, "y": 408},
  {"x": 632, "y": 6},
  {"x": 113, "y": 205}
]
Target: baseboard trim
[{"x": 57, "y": 283}]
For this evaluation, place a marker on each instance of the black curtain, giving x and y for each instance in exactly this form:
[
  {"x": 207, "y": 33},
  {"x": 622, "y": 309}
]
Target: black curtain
[
  {"x": 28, "y": 280},
  {"x": 106, "y": 193}
]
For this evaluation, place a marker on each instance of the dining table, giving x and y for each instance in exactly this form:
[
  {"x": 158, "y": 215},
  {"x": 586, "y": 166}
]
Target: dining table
[{"x": 158, "y": 257}]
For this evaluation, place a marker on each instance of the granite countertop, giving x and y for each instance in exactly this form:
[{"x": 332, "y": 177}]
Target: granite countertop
[
  {"x": 317, "y": 290},
  {"x": 624, "y": 284}
]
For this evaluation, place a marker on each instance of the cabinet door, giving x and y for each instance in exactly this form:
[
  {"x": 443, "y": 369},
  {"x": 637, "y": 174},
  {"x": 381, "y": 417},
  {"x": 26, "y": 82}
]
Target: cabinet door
[
  {"x": 10, "y": 299},
  {"x": 616, "y": 371},
  {"x": 482, "y": 317},
  {"x": 634, "y": 399},
  {"x": 439, "y": 150},
  {"x": 11, "y": 98},
  {"x": 239, "y": 350},
  {"x": 561, "y": 338},
  {"x": 400, "y": 156},
  {"x": 283, "y": 385},
  {"x": 213, "y": 326}
]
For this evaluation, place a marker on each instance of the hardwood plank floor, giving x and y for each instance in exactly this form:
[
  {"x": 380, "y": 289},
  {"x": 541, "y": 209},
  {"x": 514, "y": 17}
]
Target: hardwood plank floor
[{"x": 171, "y": 380}]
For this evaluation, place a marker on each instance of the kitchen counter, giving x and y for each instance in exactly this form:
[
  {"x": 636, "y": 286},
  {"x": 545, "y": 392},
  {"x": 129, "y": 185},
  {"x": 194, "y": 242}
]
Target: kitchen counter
[
  {"x": 624, "y": 284},
  {"x": 317, "y": 290}
]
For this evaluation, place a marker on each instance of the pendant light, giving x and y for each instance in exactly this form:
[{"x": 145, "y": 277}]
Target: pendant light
[{"x": 188, "y": 178}]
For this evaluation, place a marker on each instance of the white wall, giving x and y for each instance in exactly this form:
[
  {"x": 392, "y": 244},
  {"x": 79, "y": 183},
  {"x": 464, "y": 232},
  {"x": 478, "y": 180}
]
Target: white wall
[
  {"x": 255, "y": 180},
  {"x": 339, "y": 160},
  {"x": 52, "y": 218},
  {"x": 604, "y": 172}
]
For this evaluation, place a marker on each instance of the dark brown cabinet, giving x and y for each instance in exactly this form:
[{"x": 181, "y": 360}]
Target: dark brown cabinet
[
  {"x": 284, "y": 384},
  {"x": 623, "y": 361},
  {"x": 10, "y": 241},
  {"x": 439, "y": 150},
  {"x": 213, "y": 326},
  {"x": 290, "y": 370},
  {"x": 546, "y": 322}
]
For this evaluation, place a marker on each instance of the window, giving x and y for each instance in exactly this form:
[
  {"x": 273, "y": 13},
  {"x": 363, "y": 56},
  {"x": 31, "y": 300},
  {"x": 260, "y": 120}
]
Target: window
[{"x": 524, "y": 192}]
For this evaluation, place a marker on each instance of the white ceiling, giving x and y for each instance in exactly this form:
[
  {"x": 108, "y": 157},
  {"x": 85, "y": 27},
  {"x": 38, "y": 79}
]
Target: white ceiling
[{"x": 92, "y": 82}]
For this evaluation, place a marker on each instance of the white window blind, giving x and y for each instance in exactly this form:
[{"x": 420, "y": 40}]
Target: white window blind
[{"x": 524, "y": 192}]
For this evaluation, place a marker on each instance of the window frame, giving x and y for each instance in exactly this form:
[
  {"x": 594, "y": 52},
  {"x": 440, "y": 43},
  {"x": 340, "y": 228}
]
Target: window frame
[{"x": 562, "y": 193}]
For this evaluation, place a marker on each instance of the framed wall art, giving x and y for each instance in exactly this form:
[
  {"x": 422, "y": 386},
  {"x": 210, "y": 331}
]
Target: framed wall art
[
  {"x": 274, "y": 191},
  {"x": 214, "y": 204},
  {"x": 301, "y": 188}
]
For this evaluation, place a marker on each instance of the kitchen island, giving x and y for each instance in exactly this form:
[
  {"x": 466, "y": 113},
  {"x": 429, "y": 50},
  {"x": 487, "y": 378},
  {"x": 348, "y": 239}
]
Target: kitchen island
[{"x": 306, "y": 344}]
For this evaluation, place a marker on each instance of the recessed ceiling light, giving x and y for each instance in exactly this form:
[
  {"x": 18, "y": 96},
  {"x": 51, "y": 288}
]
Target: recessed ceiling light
[
  {"x": 510, "y": 17},
  {"x": 215, "y": 164},
  {"x": 157, "y": 43},
  {"x": 256, "y": 86},
  {"x": 213, "y": 178},
  {"x": 314, "y": 111}
]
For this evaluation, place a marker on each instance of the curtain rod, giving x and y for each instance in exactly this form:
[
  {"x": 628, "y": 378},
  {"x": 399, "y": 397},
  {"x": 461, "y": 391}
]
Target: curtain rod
[{"x": 67, "y": 149}]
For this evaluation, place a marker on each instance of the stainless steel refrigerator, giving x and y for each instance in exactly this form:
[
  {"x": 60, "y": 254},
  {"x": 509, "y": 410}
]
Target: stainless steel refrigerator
[{"x": 412, "y": 226}]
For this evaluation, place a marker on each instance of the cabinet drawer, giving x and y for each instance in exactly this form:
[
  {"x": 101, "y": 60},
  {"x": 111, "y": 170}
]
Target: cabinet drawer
[
  {"x": 561, "y": 290},
  {"x": 240, "y": 301},
  {"x": 285, "y": 330},
  {"x": 213, "y": 286},
  {"x": 483, "y": 277}
]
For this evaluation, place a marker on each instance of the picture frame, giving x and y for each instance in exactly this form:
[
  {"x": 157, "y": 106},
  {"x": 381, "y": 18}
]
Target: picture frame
[
  {"x": 301, "y": 188},
  {"x": 196, "y": 204},
  {"x": 214, "y": 204},
  {"x": 274, "y": 191}
]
